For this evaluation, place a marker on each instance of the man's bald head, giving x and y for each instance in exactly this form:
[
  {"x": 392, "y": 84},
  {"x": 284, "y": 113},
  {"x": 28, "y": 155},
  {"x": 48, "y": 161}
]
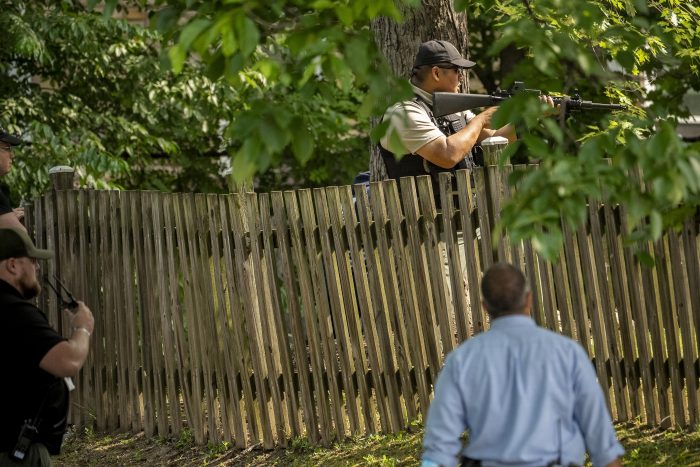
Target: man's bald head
[{"x": 504, "y": 290}]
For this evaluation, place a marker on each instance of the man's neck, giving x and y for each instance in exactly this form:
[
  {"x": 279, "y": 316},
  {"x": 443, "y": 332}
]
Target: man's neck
[
  {"x": 423, "y": 94},
  {"x": 511, "y": 313},
  {"x": 12, "y": 283}
]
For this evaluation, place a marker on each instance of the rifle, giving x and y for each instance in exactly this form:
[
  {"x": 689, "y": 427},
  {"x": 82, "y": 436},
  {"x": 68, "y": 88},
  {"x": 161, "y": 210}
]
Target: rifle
[{"x": 445, "y": 103}]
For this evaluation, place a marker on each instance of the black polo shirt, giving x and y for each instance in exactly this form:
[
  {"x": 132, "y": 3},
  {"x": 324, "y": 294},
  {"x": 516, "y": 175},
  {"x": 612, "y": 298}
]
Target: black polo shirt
[
  {"x": 25, "y": 338},
  {"x": 5, "y": 206}
]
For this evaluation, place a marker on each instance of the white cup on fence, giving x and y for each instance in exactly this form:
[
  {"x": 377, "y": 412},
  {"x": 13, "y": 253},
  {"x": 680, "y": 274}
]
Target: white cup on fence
[{"x": 493, "y": 147}]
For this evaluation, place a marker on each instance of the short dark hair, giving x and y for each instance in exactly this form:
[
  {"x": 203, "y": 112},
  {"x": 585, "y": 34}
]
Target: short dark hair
[
  {"x": 420, "y": 73},
  {"x": 504, "y": 290}
]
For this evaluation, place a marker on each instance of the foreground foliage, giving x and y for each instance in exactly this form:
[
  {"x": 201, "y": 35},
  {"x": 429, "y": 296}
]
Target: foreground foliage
[
  {"x": 286, "y": 88},
  {"x": 92, "y": 92},
  {"x": 643, "y": 54}
]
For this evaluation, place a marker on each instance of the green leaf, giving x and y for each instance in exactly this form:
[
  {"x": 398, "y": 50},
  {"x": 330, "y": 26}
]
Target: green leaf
[
  {"x": 645, "y": 258},
  {"x": 244, "y": 166},
  {"x": 109, "y": 7},
  {"x": 378, "y": 131},
  {"x": 345, "y": 15},
  {"x": 660, "y": 143},
  {"x": 509, "y": 152},
  {"x": 177, "y": 56},
  {"x": 694, "y": 172},
  {"x": 191, "y": 32},
  {"x": 356, "y": 55},
  {"x": 590, "y": 151},
  {"x": 233, "y": 66},
  {"x": 548, "y": 244},
  {"x": 626, "y": 58},
  {"x": 215, "y": 67},
  {"x": 272, "y": 135},
  {"x": 229, "y": 45},
  {"x": 302, "y": 143},
  {"x": 248, "y": 34},
  {"x": 536, "y": 145},
  {"x": 461, "y": 5},
  {"x": 655, "y": 224},
  {"x": 508, "y": 112}
]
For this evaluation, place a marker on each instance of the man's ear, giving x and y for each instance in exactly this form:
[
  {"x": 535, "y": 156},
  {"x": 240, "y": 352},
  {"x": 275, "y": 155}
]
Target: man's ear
[
  {"x": 4, "y": 267},
  {"x": 9, "y": 266},
  {"x": 435, "y": 73}
]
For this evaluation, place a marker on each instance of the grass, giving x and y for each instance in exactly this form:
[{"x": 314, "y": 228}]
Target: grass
[{"x": 644, "y": 445}]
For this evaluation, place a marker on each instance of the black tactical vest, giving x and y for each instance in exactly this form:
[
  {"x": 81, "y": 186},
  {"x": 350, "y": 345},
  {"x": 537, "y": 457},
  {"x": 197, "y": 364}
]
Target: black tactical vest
[{"x": 411, "y": 165}]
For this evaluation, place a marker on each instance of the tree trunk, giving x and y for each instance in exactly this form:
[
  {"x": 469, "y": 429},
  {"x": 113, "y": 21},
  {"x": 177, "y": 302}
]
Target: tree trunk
[{"x": 434, "y": 19}]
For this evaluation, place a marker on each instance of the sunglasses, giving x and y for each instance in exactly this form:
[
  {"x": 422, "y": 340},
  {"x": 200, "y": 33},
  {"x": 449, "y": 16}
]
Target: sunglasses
[{"x": 446, "y": 66}]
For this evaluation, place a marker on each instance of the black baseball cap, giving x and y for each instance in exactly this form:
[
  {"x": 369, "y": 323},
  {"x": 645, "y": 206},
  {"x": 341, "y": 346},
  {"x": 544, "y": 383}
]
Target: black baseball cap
[
  {"x": 8, "y": 138},
  {"x": 435, "y": 52},
  {"x": 15, "y": 243}
]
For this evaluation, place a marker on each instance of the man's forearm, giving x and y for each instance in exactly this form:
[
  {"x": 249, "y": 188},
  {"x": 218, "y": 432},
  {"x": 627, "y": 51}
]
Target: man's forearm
[
  {"x": 448, "y": 151},
  {"x": 10, "y": 220},
  {"x": 464, "y": 140},
  {"x": 80, "y": 341},
  {"x": 507, "y": 131}
]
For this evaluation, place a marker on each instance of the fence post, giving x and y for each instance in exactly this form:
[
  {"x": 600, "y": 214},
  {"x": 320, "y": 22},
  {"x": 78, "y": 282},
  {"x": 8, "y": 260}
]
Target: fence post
[
  {"x": 493, "y": 147},
  {"x": 62, "y": 177}
]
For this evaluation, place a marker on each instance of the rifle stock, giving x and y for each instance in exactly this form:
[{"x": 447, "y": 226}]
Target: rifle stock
[{"x": 445, "y": 103}]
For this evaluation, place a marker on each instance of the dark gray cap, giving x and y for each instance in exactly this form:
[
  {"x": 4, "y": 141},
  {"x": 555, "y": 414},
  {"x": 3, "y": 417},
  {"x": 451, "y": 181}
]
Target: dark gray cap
[
  {"x": 15, "y": 243},
  {"x": 435, "y": 52},
  {"x": 6, "y": 137}
]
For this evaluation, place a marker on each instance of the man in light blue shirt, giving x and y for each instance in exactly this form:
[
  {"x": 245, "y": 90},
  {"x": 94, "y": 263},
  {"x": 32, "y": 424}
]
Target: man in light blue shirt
[{"x": 527, "y": 396}]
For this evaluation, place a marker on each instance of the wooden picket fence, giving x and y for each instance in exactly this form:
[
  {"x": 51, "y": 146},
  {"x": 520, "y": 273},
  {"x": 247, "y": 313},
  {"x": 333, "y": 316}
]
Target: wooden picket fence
[{"x": 256, "y": 318}]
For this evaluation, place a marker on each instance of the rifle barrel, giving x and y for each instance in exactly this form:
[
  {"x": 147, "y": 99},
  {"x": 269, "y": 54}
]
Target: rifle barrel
[
  {"x": 578, "y": 104},
  {"x": 586, "y": 105}
]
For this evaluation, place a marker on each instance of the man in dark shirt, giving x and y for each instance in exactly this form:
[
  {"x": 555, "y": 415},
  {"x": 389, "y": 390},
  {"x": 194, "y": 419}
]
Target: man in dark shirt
[
  {"x": 8, "y": 217},
  {"x": 37, "y": 362}
]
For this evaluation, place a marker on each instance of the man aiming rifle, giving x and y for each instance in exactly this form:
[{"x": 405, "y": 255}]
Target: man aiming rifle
[{"x": 420, "y": 142}]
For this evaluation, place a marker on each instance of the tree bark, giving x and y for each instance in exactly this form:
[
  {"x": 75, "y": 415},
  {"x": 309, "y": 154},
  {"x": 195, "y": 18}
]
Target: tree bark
[{"x": 434, "y": 19}]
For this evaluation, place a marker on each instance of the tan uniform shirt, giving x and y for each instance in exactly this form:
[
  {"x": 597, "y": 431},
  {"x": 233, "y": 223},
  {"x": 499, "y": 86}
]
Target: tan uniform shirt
[{"x": 410, "y": 127}]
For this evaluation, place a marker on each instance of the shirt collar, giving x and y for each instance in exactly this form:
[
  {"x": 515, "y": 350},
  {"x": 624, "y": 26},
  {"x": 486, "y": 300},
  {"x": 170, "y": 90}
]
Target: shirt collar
[
  {"x": 426, "y": 96},
  {"x": 512, "y": 321},
  {"x": 9, "y": 289}
]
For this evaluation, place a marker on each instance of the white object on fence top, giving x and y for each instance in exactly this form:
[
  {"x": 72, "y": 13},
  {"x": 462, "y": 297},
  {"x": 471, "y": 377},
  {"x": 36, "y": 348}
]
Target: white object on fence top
[
  {"x": 61, "y": 169},
  {"x": 494, "y": 140}
]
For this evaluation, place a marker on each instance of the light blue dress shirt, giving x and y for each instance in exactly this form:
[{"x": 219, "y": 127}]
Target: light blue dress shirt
[{"x": 527, "y": 396}]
